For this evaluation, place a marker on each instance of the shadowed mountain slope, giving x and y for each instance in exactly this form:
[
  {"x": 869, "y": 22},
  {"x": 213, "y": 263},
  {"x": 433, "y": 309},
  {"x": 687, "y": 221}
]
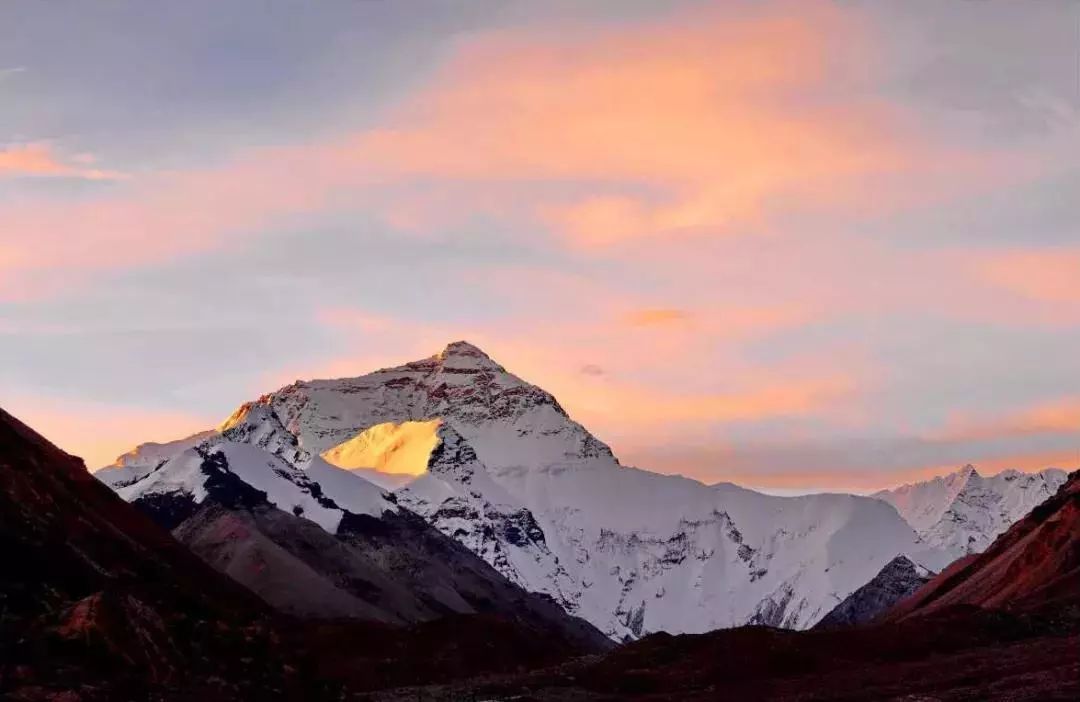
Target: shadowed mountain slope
[
  {"x": 95, "y": 597},
  {"x": 900, "y": 578}
]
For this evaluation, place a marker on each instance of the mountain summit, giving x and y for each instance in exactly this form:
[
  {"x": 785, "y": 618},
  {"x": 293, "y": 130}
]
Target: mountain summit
[{"x": 461, "y": 353}]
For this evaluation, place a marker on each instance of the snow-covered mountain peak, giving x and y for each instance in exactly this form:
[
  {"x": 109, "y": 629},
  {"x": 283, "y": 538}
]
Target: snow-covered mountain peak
[
  {"x": 462, "y": 354},
  {"x": 510, "y": 423},
  {"x": 247, "y": 413},
  {"x": 966, "y": 473},
  {"x": 964, "y": 511}
]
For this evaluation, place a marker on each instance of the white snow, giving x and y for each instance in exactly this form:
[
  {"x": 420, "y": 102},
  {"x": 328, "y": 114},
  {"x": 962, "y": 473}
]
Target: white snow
[
  {"x": 964, "y": 512},
  {"x": 348, "y": 489},
  {"x": 144, "y": 458},
  {"x": 180, "y": 474},
  {"x": 287, "y": 487}
]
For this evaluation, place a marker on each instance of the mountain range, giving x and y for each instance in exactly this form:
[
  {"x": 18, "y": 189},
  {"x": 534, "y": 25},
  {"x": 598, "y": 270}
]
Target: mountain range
[
  {"x": 287, "y": 577},
  {"x": 1001, "y": 625},
  {"x": 496, "y": 464}
]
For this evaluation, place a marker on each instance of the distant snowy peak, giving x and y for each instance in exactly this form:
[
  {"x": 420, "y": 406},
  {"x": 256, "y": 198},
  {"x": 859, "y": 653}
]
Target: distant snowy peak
[{"x": 963, "y": 512}]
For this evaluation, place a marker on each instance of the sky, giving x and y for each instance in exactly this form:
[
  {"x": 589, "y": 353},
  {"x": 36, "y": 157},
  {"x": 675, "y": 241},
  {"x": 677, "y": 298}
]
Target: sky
[{"x": 794, "y": 245}]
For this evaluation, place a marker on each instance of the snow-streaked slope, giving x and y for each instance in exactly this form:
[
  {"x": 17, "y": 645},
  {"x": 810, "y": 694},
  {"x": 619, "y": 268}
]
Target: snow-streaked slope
[
  {"x": 336, "y": 545},
  {"x": 656, "y": 552},
  {"x": 963, "y": 512},
  {"x": 511, "y": 476},
  {"x": 303, "y": 493},
  {"x": 459, "y": 497},
  {"x": 144, "y": 458}
]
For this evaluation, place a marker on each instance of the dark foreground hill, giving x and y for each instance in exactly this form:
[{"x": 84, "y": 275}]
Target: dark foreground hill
[{"x": 97, "y": 602}]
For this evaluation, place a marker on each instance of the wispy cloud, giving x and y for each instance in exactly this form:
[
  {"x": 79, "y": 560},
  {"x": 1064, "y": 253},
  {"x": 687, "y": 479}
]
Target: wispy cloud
[
  {"x": 691, "y": 125},
  {"x": 1046, "y": 275},
  {"x": 40, "y": 160},
  {"x": 656, "y": 316}
]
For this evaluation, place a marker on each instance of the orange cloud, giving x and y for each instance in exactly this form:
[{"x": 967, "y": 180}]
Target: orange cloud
[
  {"x": 628, "y": 405},
  {"x": 692, "y": 124},
  {"x": 38, "y": 159},
  {"x": 702, "y": 109},
  {"x": 1063, "y": 415},
  {"x": 1042, "y": 276},
  {"x": 655, "y": 317},
  {"x": 159, "y": 217},
  {"x": 872, "y": 481},
  {"x": 1051, "y": 417}
]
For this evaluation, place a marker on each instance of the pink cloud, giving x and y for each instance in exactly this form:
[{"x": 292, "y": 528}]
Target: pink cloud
[
  {"x": 699, "y": 109},
  {"x": 1055, "y": 416},
  {"x": 39, "y": 159},
  {"x": 695, "y": 125},
  {"x": 1041, "y": 275}
]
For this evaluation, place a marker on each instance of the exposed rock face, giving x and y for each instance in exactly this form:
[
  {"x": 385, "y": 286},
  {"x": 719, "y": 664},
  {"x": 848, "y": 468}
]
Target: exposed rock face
[
  {"x": 963, "y": 512},
  {"x": 899, "y": 578}
]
